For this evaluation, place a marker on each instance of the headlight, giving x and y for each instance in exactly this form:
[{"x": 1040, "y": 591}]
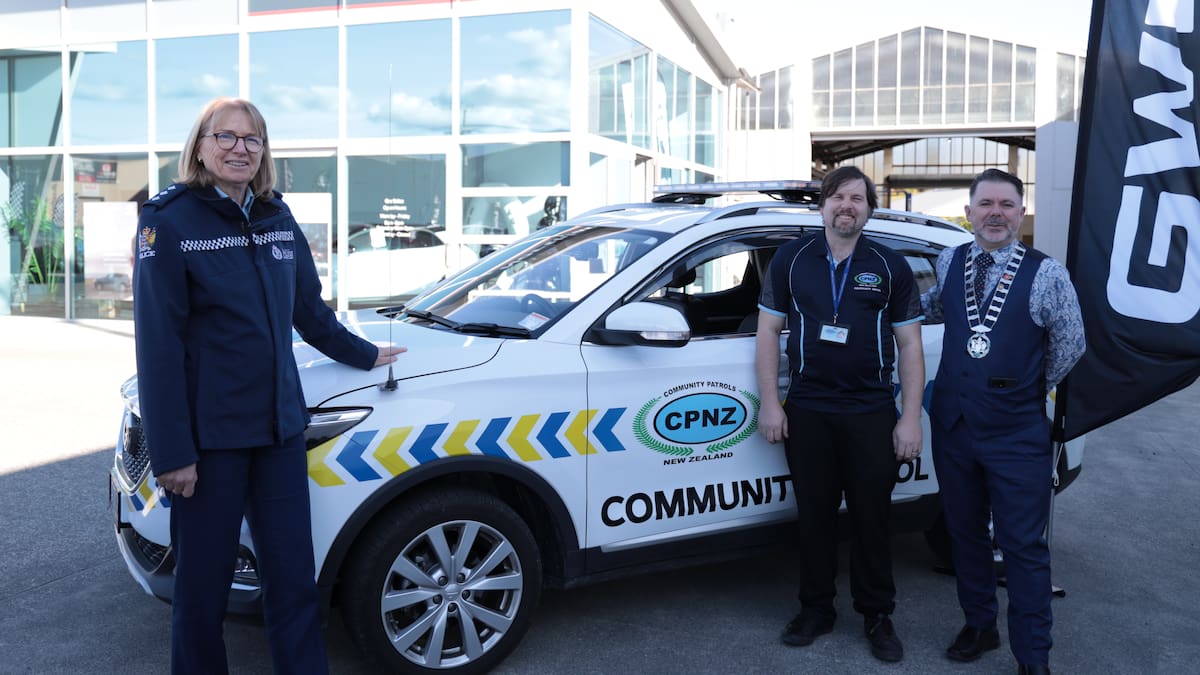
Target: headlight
[{"x": 327, "y": 423}]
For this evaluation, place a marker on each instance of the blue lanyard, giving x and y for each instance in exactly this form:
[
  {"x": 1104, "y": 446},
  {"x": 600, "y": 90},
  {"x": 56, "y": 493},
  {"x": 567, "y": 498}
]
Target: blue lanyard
[{"x": 835, "y": 288}]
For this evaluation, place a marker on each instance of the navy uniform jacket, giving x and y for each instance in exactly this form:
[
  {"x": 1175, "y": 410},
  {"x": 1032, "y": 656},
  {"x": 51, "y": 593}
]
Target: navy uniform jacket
[{"x": 215, "y": 299}]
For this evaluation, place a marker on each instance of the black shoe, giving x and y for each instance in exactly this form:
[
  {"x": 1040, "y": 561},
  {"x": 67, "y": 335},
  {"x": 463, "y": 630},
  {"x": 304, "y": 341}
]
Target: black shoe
[
  {"x": 885, "y": 646},
  {"x": 972, "y": 642},
  {"x": 807, "y": 627},
  {"x": 1033, "y": 670}
]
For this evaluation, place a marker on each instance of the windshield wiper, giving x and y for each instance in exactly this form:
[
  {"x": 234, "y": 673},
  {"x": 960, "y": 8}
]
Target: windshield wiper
[
  {"x": 471, "y": 327},
  {"x": 430, "y": 316},
  {"x": 493, "y": 329}
]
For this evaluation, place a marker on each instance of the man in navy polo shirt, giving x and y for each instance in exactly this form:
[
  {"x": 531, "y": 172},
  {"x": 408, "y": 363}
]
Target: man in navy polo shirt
[{"x": 849, "y": 302}]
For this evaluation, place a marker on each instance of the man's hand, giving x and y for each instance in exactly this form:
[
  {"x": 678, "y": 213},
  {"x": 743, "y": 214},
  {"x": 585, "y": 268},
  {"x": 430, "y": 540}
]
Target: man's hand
[
  {"x": 772, "y": 421},
  {"x": 179, "y": 482},
  {"x": 387, "y": 354},
  {"x": 906, "y": 438}
]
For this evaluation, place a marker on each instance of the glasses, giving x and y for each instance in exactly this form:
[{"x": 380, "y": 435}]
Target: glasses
[{"x": 228, "y": 141}]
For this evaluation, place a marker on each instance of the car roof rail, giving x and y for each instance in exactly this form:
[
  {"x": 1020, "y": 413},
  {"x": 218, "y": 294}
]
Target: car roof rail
[
  {"x": 917, "y": 218},
  {"x": 613, "y": 208},
  {"x": 790, "y": 191},
  {"x": 752, "y": 208}
]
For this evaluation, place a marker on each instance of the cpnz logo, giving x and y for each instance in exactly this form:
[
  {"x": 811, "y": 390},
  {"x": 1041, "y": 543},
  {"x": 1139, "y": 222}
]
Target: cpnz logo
[{"x": 697, "y": 421}]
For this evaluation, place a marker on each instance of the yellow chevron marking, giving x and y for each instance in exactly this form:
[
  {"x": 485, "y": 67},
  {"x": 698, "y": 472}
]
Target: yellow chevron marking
[
  {"x": 145, "y": 491},
  {"x": 456, "y": 444},
  {"x": 519, "y": 438},
  {"x": 577, "y": 432},
  {"x": 388, "y": 452},
  {"x": 318, "y": 470}
]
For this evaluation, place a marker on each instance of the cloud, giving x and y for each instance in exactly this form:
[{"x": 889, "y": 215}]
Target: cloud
[
  {"x": 203, "y": 85},
  {"x": 546, "y": 53},
  {"x": 283, "y": 98},
  {"x": 104, "y": 92},
  {"x": 407, "y": 112},
  {"x": 507, "y": 103}
]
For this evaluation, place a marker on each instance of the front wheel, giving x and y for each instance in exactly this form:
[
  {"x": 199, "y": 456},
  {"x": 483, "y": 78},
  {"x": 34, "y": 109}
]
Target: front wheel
[{"x": 443, "y": 581}]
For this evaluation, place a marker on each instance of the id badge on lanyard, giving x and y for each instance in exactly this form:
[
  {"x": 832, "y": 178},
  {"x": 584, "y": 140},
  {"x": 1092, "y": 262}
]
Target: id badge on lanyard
[{"x": 833, "y": 332}]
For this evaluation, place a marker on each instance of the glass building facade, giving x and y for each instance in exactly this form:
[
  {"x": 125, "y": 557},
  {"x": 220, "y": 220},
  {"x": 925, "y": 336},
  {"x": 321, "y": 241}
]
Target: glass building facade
[
  {"x": 932, "y": 77},
  {"x": 410, "y": 137},
  {"x": 927, "y": 108}
]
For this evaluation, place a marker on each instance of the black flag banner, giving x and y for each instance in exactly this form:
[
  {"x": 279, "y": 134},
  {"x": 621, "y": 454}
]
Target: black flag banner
[{"x": 1134, "y": 251}]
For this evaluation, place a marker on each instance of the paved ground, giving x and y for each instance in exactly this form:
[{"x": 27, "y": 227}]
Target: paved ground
[{"x": 1126, "y": 549}]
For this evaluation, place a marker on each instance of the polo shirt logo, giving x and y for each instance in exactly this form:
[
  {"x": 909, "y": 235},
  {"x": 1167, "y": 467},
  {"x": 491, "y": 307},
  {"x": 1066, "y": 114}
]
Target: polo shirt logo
[{"x": 868, "y": 279}]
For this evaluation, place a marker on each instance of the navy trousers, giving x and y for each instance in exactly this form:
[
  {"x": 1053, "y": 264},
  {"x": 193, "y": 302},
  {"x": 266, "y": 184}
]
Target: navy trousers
[
  {"x": 831, "y": 454},
  {"x": 269, "y": 485},
  {"x": 1008, "y": 480}
]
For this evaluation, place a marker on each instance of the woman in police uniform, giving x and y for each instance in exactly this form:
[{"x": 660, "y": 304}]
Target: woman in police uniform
[{"x": 223, "y": 274}]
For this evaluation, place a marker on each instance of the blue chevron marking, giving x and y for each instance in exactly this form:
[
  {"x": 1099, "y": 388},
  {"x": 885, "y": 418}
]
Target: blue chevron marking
[
  {"x": 604, "y": 430},
  {"x": 351, "y": 456},
  {"x": 487, "y": 442},
  {"x": 548, "y": 435},
  {"x": 422, "y": 449}
]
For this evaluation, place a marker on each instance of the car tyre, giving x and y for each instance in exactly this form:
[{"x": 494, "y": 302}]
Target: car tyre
[{"x": 445, "y": 580}]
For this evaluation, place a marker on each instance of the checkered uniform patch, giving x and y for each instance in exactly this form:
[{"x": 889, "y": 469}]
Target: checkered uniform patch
[
  {"x": 272, "y": 237},
  {"x": 189, "y": 245}
]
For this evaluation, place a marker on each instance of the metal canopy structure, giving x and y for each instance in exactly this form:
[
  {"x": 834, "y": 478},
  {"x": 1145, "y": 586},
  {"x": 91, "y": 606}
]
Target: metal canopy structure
[{"x": 833, "y": 147}]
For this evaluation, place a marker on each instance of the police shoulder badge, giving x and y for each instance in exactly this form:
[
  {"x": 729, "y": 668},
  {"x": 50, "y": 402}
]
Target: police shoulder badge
[{"x": 146, "y": 237}]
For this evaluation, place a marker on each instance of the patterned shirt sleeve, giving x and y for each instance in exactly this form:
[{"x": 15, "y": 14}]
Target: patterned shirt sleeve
[
  {"x": 1054, "y": 306},
  {"x": 931, "y": 300}
]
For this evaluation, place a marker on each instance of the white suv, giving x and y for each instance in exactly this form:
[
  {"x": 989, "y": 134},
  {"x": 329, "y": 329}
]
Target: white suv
[{"x": 579, "y": 404}]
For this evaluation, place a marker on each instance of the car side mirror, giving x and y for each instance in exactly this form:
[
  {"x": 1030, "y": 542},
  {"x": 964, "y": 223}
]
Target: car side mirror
[{"x": 642, "y": 323}]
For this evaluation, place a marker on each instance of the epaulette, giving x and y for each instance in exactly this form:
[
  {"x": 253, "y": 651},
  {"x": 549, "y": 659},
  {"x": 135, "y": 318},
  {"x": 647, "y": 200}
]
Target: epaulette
[{"x": 163, "y": 198}]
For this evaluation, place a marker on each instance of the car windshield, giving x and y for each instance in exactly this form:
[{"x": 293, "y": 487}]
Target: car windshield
[{"x": 534, "y": 281}]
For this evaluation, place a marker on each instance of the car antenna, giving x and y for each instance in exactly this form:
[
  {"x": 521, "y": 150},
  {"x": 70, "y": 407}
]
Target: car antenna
[{"x": 390, "y": 384}]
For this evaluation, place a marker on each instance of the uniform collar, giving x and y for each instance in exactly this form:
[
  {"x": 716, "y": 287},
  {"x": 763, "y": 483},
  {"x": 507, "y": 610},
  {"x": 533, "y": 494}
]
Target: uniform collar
[
  {"x": 246, "y": 203},
  {"x": 860, "y": 246}
]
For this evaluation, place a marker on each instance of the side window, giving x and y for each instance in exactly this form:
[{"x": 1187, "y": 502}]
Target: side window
[
  {"x": 923, "y": 271},
  {"x": 716, "y": 288}
]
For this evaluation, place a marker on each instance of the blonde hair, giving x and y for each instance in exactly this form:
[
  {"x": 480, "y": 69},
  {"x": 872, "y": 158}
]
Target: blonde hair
[{"x": 195, "y": 174}]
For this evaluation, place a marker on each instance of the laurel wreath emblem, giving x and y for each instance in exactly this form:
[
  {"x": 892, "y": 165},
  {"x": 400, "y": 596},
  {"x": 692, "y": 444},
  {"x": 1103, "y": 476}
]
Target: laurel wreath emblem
[{"x": 643, "y": 434}]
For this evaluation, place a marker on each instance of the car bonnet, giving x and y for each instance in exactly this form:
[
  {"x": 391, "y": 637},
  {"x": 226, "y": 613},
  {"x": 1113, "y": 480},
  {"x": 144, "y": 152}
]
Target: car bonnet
[{"x": 430, "y": 350}]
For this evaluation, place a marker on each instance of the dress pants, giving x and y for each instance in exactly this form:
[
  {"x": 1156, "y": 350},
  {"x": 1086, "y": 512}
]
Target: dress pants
[
  {"x": 269, "y": 485},
  {"x": 852, "y": 453},
  {"x": 1008, "y": 480}
]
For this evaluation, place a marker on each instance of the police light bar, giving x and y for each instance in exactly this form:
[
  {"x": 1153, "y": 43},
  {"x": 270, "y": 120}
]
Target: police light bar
[{"x": 794, "y": 191}]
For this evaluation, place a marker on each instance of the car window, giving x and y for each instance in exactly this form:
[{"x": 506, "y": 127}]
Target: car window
[
  {"x": 921, "y": 257},
  {"x": 535, "y": 280},
  {"x": 715, "y": 287},
  {"x": 924, "y": 271}
]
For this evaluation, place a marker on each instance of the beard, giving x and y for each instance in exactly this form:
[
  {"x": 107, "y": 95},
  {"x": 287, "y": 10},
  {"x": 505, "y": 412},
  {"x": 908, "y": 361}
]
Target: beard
[{"x": 845, "y": 224}]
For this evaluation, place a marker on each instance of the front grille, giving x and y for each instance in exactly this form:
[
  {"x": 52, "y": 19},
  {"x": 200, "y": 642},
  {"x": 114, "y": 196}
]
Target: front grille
[
  {"x": 151, "y": 553},
  {"x": 135, "y": 456}
]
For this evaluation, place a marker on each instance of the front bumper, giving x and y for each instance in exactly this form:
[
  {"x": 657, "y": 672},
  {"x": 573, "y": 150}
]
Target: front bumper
[{"x": 142, "y": 525}]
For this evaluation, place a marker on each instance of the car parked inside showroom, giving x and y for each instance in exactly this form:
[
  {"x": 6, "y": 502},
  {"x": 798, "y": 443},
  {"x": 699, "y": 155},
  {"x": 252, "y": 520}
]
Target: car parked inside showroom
[
  {"x": 385, "y": 261},
  {"x": 113, "y": 281},
  {"x": 578, "y": 405}
]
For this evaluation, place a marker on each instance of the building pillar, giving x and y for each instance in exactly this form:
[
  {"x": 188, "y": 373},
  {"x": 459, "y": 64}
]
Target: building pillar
[{"x": 887, "y": 172}]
